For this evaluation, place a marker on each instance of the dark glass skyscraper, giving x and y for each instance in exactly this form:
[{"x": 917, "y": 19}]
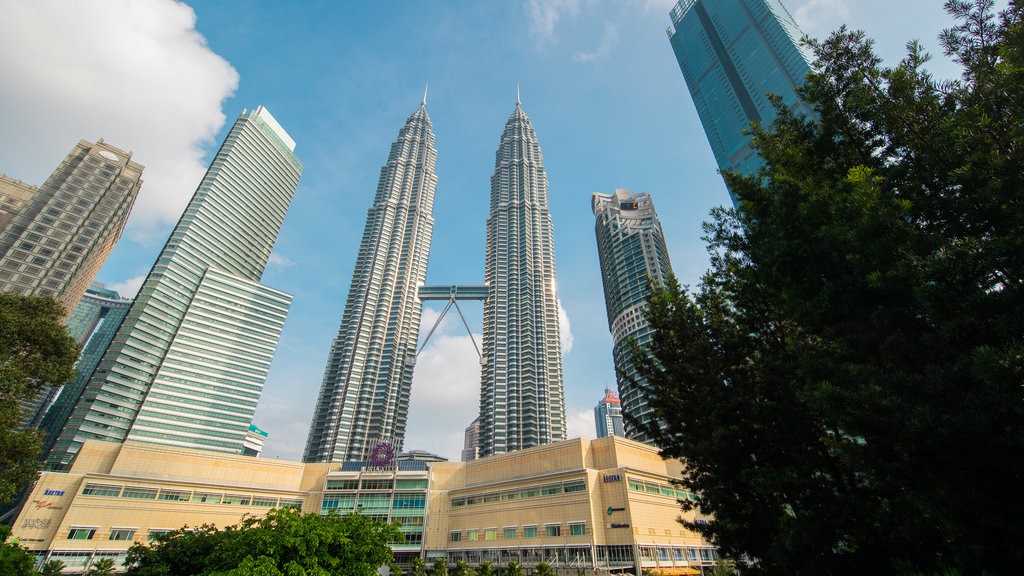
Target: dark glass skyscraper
[
  {"x": 522, "y": 399},
  {"x": 732, "y": 54},
  {"x": 364, "y": 396},
  {"x": 632, "y": 251}
]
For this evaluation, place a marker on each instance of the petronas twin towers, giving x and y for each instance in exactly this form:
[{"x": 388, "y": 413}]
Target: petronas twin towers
[{"x": 364, "y": 397}]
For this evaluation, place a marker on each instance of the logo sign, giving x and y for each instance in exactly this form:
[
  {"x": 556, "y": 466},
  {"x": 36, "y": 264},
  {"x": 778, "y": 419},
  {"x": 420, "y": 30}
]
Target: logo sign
[
  {"x": 383, "y": 455},
  {"x": 610, "y": 510},
  {"x": 49, "y": 492},
  {"x": 615, "y": 525},
  {"x": 613, "y": 477}
]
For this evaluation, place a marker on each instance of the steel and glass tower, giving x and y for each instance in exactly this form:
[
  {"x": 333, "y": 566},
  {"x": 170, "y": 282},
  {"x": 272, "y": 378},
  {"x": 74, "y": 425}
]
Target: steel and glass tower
[
  {"x": 364, "y": 396},
  {"x": 733, "y": 53},
  {"x": 188, "y": 363},
  {"x": 632, "y": 251},
  {"x": 608, "y": 415},
  {"x": 522, "y": 399}
]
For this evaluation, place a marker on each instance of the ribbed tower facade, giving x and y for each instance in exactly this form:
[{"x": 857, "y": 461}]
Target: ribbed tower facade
[
  {"x": 522, "y": 398},
  {"x": 364, "y": 396},
  {"x": 188, "y": 363},
  {"x": 632, "y": 251},
  {"x": 732, "y": 54}
]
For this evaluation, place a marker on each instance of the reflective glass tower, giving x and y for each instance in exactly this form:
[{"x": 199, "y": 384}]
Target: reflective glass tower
[
  {"x": 364, "y": 396},
  {"x": 608, "y": 415},
  {"x": 188, "y": 363},
  {"x": 522, "y": 399},
  {"x": 632, "y": 250},
  {"x": 732, "y": 54}
]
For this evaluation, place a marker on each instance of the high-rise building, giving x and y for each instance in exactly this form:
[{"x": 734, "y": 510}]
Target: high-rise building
[
  {"x": 733, "y": 53},
  {"x": 53, "y": 239},
  {"x": 188, "y": 363},
  {"x": 471, "y": 441},
  {"x": 364, "y": 396},
  {"x": 522, "y": 399},
  {"x": 632, "y": 251},
  {"x": 93, "y": 322},
  {"x": 608, "y": 415}
]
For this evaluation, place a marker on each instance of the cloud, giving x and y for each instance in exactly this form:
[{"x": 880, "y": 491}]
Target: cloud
[
  {"x": 128, "y": 288},
  {"x": 280, "y": 261},
  {"x": 564, "y": 329},
  {"x": 287, "y": 425},
  {"x": 819, "y": 17},
  {"x": 545, "y": 14},
  {"x": 581, "y": 424},
  {"x": 608, "y": 41},
  {"x": 136, "y": 74}
]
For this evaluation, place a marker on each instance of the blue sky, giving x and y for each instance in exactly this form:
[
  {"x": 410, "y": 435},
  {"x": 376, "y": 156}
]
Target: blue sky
[{"x": 165, "y": 79}]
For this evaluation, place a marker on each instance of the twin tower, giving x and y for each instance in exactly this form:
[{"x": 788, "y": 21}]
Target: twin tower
[{"x": 364, "y": 398}]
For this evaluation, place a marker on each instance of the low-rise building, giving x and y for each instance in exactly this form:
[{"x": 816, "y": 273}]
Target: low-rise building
[{"x": 605, "y": 505}]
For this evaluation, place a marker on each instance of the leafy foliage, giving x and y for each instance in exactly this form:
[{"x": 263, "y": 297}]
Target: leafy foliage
[
  {"x": 845, "y": 385},
  {"x": 102, "y": 567},
  {"x": 52, "y": 568},
  {"x": 14, "y": 560},
  {"x": 35, "y": 349},
  {"x": 544, "y": 569},
  {"x": 284, "y": 542},
  {"x": 486, "y": 569},
  {"x": 513, "y": 569},
  {"x": 440, "y": 567},
  {"x": 462, "y": 569}
]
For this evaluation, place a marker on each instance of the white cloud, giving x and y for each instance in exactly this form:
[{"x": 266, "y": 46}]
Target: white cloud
[
  {"x": 280, "y": 261},
  {"x": 581, "y": 424},
  {"x": 135, "y": 73},
  {"x": 128, "y": 288},
  {"x": 545, "y": 14},
  {"x": 608, "y": 41},
  {"x": 820, "y": 17},
  {"x": 565, "y": 329}
]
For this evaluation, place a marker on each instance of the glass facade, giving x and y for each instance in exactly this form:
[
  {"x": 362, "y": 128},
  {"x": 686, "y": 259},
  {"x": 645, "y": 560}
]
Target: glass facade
[
  {"x": 733, "y": 53},
  {"x": 188, "y": 362},
  {"x": 522, "y": 397},
  {"x": 364, "y": 395},
  {"x": 632, "y": 251}
]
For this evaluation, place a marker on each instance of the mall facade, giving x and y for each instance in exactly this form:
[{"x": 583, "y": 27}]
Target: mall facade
[{"x": 601, "y": 506}]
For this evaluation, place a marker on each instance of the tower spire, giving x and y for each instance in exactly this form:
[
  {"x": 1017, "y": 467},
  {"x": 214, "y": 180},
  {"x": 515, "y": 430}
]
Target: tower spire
[
  {"x": 424, "y": 102},
  {"x": 517, "y": 94}
]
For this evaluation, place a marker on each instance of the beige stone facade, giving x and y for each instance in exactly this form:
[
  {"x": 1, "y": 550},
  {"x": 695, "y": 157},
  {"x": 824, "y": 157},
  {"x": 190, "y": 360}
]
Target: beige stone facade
[{"x": 602, "y": 505}]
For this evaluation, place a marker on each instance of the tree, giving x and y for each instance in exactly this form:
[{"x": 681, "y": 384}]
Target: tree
[
  {"x": 844, "y": 386},
  {"x": 285, "y": 541},
  {"x": 14, "y": 560},
  {"x": 462, "y": 569},
  {"x": 514, "y": 569},
  {"x": 440, "y": 567},
  {"x": 35, "y": 350},
  {"x": 486, "y": 569},
  {"x": 543, "y": 569},
  {"x": 52, "y": 568},
  {"x": 102, "y": 567},
  {"x": 419, "y": 567}
]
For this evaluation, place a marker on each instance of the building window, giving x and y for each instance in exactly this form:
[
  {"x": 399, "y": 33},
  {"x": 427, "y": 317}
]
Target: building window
[
  {"x": 490, "y": 534},
  {"x": 122, "y": 533},
  {"x": 551, "y": 530},
  {"x": 139, "y": 493},
  {"x": 342, "y": 484},
  {"x": 577, "y": 528},
  {"x": 81, "y": 533},
  {"x": 291, "y": 503},
  {"x": 575, "y": 486},
  {"x": 264, "y": 502},
  {"x": 155, "y": 534},
  {"x": 206, "y": 497},
  {"x": 551, "y": 489},
  {"x": 101, "y": 490},
  {"x": 472, "y": 535},
  {"x": 455, "y": 536},
  {"x": 176, "y": 495},
  {"x": 239, "y": 499},
  {"x": 509, "y": 533},
  {"x": 529, "y": 531}
]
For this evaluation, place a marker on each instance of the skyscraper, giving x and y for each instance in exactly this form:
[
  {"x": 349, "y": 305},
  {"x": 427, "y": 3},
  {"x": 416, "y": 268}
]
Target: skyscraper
[
  {"x": 53, "y": 239},
  {"x": 632, "y": 251},
  {"x": 732, "y": 54},
  {"x": 364, "y": 396},
  {"x": 188, "y": 363},
  {"x": 522, "y": 399},
  {"x": 471, "y": 441},
  {"x": 608, "y": 415}
]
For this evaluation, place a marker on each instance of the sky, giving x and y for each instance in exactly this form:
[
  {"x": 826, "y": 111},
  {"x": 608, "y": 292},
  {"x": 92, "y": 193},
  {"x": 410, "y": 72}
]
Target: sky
[{"x": 165, "y": 80}]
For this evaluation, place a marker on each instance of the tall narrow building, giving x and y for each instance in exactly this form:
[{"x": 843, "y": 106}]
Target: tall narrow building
[
  {"x": 364, "y": 396},
  {"x": 632, "y": 251},
  {"x": 732, "y": 54},
  {"x": 522, "y": 398},
  {"x": 608, "y": 415},
  {"x": 55, "y": 238},
  {"x": 188, "y": 363}
]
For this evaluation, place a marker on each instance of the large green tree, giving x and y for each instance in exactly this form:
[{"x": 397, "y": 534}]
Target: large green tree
[
  {"x": 35, "y": 350},
  {"x": 284, "y": 542},
  {"x": 845, "y": 384}
]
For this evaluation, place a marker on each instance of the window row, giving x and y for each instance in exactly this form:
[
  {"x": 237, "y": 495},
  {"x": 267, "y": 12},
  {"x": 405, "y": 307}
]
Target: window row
[
  {"x": 650, "y": 487},
  {"x": 519, "y": 493},
  {"x": 147, "y": 493},
  {"x": 551, "y": 530},
  {"x": 121, "y": 534}
]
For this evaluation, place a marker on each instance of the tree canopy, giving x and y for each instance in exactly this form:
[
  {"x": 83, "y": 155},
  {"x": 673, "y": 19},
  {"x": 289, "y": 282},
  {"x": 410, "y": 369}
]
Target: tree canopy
[
  {"x": 285, "y": 542},
  {"x": 35, "y": 350},
  {"x": 845, "y": 384}
]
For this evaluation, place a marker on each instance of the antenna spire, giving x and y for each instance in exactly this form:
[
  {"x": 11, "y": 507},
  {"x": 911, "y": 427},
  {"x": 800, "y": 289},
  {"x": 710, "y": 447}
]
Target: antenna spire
[
  {"x": 424, "y": 102},
  {"x": 517, "y": 94}
]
